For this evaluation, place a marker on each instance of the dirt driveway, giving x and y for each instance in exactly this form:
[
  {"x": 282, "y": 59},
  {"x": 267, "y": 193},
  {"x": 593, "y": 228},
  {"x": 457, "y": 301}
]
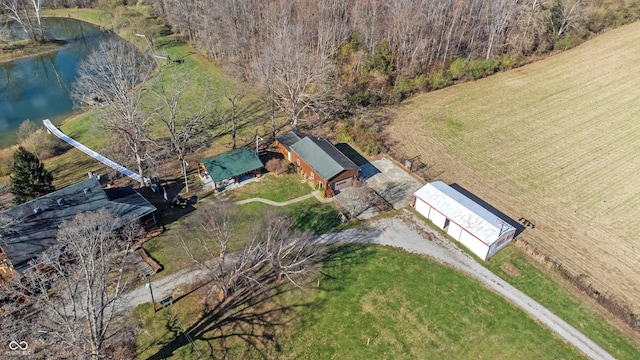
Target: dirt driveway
[{"x": 390, "y": 181}]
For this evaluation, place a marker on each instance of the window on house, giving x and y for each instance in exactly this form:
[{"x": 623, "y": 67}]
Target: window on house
[
  {"x": 311, "y": 176},
  {"x": 298, "y": 162}
]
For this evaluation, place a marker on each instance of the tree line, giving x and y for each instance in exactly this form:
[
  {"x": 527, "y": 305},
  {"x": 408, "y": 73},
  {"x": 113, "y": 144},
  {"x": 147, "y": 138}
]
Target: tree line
[{"x": 303, "y": 50}]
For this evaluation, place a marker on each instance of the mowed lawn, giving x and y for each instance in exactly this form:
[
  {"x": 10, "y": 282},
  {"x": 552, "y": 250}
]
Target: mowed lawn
[
  {"x": 555, "y": 142},
  {"x": 383, "y": 303}
]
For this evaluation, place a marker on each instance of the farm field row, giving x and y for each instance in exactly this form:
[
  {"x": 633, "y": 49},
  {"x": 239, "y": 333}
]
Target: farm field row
[{"x": 554, "y": 142}]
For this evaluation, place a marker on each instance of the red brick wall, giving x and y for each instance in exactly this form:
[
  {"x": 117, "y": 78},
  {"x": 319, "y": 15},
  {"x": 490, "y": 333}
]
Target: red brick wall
[
  {"x": 283, "y": 150},
  {"x": 305, "y": 169}
]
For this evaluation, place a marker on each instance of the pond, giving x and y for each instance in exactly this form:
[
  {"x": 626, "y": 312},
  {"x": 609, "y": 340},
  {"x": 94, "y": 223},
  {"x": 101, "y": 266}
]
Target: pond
[{"x": 37, "y": 88}]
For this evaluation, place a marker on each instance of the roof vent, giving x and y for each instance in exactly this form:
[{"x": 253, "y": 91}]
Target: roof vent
[
  {"x": 37, "y": 210},
  {"x": 60, "y": 201},
  {"x": 86, "y": 191}
]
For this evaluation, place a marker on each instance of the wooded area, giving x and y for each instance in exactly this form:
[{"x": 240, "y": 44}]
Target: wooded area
[{"x": 380, "y": 51}]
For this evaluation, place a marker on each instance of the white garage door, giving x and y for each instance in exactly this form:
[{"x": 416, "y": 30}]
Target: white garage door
[{"x": 342, "y": 184}]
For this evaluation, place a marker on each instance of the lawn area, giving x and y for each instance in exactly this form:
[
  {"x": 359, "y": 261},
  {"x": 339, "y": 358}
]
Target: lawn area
[
  {"x": 378, "y": 302},
  {"x": 553, "y": 142},
  {"x": 279, "y": 189},
  {"x": 516, "y": 268},
  {"x": 94, "y": 16},
  {"x": 308, "y": 216},
  {"x": 373, "y": 302}
]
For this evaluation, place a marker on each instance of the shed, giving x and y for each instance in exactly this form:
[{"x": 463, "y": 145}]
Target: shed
[
  {"x": 230, "y": 165},
  {"x": 468, "y": 222},
  {"x": 320, "y": 161},
  {"x": 33, "y": 225}
]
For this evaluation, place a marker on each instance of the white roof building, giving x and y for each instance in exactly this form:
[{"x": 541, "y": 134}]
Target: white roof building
[{"x": 468, "y": 222}]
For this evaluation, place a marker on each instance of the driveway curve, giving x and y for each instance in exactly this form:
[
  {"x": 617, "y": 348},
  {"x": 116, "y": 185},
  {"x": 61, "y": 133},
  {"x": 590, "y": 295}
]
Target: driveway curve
[{"x": 411, "y": 233}]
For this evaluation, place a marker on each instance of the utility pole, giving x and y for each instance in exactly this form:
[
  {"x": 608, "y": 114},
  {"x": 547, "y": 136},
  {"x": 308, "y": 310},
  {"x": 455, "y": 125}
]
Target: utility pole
[
  {"x": 258, "y": 138},
  {"x": 153, "y": 302}
]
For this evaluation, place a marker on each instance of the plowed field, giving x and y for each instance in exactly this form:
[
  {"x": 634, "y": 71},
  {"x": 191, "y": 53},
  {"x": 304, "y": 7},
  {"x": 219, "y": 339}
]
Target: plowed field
[{"x": 556, "y": 142}]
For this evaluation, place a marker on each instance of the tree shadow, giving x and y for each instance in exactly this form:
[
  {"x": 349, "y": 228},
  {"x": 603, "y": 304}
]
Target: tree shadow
[{"x": 250, "y": 314}]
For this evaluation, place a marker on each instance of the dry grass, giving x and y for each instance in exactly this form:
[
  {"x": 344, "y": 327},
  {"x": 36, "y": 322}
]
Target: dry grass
[{"x": 554, "y": 142}]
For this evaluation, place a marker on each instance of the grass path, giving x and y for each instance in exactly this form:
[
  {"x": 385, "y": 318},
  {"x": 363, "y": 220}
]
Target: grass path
[{"x": 555, "y": 142}]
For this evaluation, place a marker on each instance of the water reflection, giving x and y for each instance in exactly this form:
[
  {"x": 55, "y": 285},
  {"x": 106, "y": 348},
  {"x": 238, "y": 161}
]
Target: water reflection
[{"x": 38, "y": 87}]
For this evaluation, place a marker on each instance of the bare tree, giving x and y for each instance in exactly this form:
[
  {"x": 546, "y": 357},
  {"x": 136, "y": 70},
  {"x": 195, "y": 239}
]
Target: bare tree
[
  {"x": 275, "y": 252},
  {"x": 109, "y": 78},
  {"x": 71, "y": 298},
  {"x": 25, "y": 13},
  {"x": 354, "y": 199},
  {"x": 563, "y": 15},
  {"x": 182, "y": 119},
  {"x": 234, "y": 96}
]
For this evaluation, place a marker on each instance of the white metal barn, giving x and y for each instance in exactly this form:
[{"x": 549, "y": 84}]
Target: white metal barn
[{"x": 468, "y": 222}]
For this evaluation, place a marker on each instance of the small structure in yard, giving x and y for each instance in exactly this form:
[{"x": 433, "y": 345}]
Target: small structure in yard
[
  {"x": 31, "y": 227},
  {"x": 319, "y": 161},
  {"x": 226, "y": 168},
  {"x": 468, "y": 222}
]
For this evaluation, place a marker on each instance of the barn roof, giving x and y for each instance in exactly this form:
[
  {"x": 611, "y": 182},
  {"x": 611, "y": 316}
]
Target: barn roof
[
  {"x": 289, "y": 138},
  {"x": 324, "y": 158},
  {"x": 463, "y": 211},
  {"x": 231, "y": 163},
  {"x": 34, "y": 225}
]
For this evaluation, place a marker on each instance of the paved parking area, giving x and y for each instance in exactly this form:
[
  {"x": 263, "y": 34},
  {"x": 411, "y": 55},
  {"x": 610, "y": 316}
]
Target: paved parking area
[{"x": 391, "y": 182}]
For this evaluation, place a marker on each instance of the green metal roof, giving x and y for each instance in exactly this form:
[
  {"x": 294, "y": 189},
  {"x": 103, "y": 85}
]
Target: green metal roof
[
  {"x": 323, "y": 157},
  {"x": 231, "y": 163}
]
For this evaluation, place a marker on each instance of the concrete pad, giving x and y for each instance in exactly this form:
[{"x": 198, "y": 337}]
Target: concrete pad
[{"x": 393, "y": 183}]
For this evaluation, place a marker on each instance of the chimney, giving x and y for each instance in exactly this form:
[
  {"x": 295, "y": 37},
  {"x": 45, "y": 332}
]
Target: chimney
[
  {"x": 60, "y": 201},
  {"x": 86, "y": 191},
  {"x": 37, "y": 210}
]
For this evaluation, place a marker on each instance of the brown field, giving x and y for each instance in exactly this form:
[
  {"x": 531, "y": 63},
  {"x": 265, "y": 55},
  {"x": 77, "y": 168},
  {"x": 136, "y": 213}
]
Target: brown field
[{"x": 556, "y": 142}]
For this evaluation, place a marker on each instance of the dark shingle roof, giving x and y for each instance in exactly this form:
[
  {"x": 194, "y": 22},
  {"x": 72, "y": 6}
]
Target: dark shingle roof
[
  {"x": 323, "y": 157},
  {"x": 289, "y": 138},
  {"x": 33, "y": 232},
  {"x": 231, "y": 163}
]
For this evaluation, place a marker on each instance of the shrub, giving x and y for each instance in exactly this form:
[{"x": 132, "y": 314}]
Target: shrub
[
  {"x": 276, "y": 165},
  {"x": 366, "y": 136},
  {"x": 6, "y": 161},
  {"x": 458, "y": 69},
  {"x": 481, "y": 68},
  {"x": 563, "y": 43},
  {"x": 438, "y": 81},
  {"x": 44, "y": 145}
]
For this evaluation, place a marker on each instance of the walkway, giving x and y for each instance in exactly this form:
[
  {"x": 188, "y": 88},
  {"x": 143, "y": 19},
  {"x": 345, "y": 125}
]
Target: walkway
[
  {"x": 110, "y": 163},
  {"x": 288, "y": 202},
  {"x": 284, "y": 203}
]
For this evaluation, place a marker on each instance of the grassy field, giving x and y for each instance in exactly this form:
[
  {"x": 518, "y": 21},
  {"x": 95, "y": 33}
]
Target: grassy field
[
  {"x": 408, "y": 307},
  {"x": 554, "y": 142},
  {"x": 376, "y": 302},
  {"x": 283, "y": 188}
]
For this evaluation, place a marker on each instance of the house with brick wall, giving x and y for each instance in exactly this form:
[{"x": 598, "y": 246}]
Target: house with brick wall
[{"x": 319, "y": 161}]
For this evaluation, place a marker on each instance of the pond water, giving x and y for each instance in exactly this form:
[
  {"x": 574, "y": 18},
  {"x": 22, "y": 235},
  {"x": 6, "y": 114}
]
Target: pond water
[{"x": 37, "y": 88}]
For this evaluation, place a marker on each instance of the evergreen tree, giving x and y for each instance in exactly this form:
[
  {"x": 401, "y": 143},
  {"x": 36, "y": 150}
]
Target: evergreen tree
[{"x": 29, "y": 178}]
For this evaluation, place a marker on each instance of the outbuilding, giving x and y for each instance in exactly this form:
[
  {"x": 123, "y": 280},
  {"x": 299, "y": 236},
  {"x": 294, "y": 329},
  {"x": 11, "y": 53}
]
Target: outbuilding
[
  {"x": 229, "y": 166},
  {"x": 468, "y": 222}
]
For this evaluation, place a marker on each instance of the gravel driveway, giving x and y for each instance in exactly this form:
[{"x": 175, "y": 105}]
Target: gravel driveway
[{"x": 412, "y": 234}]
